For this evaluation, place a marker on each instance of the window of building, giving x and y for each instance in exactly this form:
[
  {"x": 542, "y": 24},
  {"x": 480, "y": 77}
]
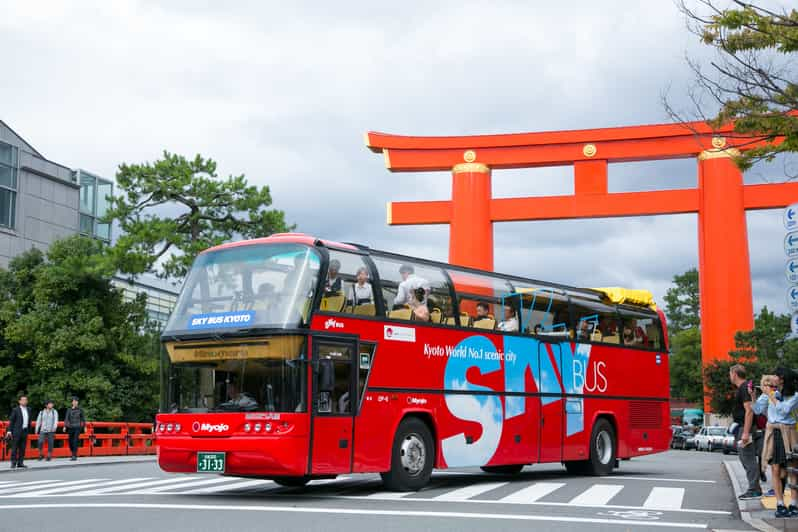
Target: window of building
[
  {"x": 8, "y": 184},
  {"x": 94, "y": 204},
  {"x": 402, "y": 282}
]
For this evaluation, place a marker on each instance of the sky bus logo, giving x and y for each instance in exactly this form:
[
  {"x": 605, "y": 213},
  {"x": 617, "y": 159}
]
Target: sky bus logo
[
  {"x": 209, "y": 427},
  {"x": 332, "y": 324}
]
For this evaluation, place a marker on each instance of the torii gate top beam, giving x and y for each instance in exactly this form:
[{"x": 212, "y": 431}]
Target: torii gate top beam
[{"x": 555, "y": 148}]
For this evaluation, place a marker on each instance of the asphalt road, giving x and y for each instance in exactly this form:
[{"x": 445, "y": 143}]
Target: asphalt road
[{"x": 679, "y": 490}]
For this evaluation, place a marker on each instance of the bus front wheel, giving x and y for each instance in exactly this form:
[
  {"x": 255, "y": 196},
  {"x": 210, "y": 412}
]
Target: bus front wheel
[{"x": 412, "y": 457}]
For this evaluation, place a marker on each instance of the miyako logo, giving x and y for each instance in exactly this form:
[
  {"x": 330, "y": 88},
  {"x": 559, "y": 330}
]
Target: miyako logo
[{"x": 209, "y": 427}]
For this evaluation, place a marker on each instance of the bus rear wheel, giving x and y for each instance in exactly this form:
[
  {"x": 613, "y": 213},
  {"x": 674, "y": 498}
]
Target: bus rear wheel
[
  {"x": 292, "y": 482},
  {"x": 412, "y": 457},
  {"x": 602, "y": 449},
  {"x": 503, "y": 469}
]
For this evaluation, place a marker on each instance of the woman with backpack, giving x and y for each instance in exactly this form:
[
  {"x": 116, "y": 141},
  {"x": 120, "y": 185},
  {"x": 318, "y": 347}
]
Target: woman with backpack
[{"x": 778, "y": 400}]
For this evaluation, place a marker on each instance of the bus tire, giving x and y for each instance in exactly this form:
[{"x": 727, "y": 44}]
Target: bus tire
[
  {"x": 513, "y": 469},
  {"x": 602, "y": 449},
  {"x": 292, "y": 482},
  {"x": 412, "y": 457},
  {"x": 576, "y": 467}
]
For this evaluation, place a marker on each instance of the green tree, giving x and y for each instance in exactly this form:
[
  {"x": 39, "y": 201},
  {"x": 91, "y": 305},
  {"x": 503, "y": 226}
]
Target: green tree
[
  {"x": 64, "y": 329},
  {"x": 752, "y": 80},
  {"x": 760, "y": 350},
  {"x": 174, "y": 208},
  {"x": 683, "y": 311}
]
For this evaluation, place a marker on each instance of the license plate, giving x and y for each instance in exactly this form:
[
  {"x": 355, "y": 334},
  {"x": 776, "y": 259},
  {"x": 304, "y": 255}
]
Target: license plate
[{"x": 210, "y": 462}]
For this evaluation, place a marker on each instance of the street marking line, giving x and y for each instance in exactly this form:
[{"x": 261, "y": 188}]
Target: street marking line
[
  {"x": 385, "y": 495},
  {"x": 466, "y": 492},
  {"x": 597, "y": 495},
  {"x": 226, "y": 487},
  {"x": 532, "y": 493},
  {"x": 357, "y": 511},
  {"x": 478, "y": 501},
  {"x": 18, "y": 490},
  {"x": 62, "y": 489},
  {"x": 657, "y": 479},
  {"x": 29, "y": 483},
  {"x": 134, "y": 485},
  {"x": 664, "y": 498},
  {"x": 185, "y": 484}
]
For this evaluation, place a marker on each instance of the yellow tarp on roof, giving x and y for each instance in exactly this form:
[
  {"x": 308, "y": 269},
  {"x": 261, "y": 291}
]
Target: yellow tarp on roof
[{"x": 618, "y": 295}]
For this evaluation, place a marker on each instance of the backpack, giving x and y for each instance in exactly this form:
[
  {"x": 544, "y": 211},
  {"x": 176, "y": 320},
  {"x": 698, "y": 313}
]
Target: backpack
[{"x": 760, "y": 421}]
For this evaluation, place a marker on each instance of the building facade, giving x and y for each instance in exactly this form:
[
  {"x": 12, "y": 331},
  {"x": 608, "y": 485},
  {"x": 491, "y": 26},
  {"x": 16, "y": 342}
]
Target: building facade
[{"x": 161, "y": 295}]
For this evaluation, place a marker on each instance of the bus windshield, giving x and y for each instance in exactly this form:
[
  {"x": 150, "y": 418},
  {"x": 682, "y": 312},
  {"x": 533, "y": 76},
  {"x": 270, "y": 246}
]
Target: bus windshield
[{"x": 243, "y": 287}]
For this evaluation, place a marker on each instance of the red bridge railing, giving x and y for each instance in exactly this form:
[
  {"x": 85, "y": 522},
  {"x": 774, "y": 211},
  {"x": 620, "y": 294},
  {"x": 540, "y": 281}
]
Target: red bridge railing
[{"x": 98, "y": 439}]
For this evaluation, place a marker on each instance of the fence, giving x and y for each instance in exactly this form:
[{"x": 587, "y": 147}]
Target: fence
[{"x": 98, "y": 439}]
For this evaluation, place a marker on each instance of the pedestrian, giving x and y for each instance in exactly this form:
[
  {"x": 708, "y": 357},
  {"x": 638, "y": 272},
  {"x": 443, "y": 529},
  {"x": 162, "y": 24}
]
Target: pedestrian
[
  {"x": 74, "y": 422},
  {"x": 743, "y": 416},
  {"x": 46, "y": 425},
  {"x": 19, "y": 425}
]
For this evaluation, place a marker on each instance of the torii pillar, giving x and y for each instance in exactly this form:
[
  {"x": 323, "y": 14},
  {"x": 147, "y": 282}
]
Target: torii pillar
[{"x": 720, "y": 200}]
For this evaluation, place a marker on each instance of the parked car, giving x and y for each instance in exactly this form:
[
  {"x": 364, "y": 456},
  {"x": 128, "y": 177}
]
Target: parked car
[
  {"x": 683, "y": 439},
  {"x": 710, "y": 438}
]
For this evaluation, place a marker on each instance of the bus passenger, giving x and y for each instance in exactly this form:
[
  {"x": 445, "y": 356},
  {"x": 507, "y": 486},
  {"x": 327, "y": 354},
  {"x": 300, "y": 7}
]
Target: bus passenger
[
  {"x": 332, "y": 286},
  {"x": 482, "y": 312},
  {"x": 419, "y": 306},
  {"x": 510, "y": 323},
  {"x": 584, "y": 331},
  {"x": 410, "y": 282},
  {"x": 362, "y": 293}
]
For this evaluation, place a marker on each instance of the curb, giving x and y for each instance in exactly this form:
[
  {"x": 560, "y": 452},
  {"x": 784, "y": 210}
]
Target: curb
[
  {"x": 134, "y": 460},
  {"x": 745, "y": 514}
]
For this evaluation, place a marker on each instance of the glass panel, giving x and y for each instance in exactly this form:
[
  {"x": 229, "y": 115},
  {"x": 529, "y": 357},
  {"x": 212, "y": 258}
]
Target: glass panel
[
  {"x": 86, "y": 225},
  {"x": 104, "y": 191},
  {"x": 87, "y": 191},
  {"x": 641, "y": 330},
  {"x": 544, "y": 311},
  {"x": 480, "y": 298},
  {"x": 244, "y": 286},
  {"x": 8, "y": 176},
  {"x": 7, "y": 154},
  {"x": 273, "y": 380},
  {"x": 414, "y": 291},
  {"x": 103, "y": 231},
  {"x": 364, "y": 368},
  {"x": 333, "y": 379},
  {"x": 596, "y": 322},
  {"x": 347, "y": 287},
  {"x": 7, "y": 207}
]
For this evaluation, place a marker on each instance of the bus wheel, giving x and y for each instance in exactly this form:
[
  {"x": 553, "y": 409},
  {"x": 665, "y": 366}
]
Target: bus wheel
[
  {"x": 602, "y": 449},
  {"x": 576, "y": 467},
  {"x": 292, "y": 482},
  {"x": 503, "y": 469},
  {"x": 412, "y": 457}
]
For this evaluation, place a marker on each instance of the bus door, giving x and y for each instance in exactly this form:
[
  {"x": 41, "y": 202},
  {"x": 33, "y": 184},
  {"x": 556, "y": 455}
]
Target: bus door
[
  {"x": 551, "y": 401},
  {"x": 334, "y": 404}
]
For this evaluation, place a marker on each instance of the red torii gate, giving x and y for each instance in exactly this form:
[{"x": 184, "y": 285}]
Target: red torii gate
[{"x": 720, "y": 199}]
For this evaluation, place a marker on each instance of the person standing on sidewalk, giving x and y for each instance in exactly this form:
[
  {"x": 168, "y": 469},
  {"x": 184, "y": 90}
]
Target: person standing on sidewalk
[
  {"x": 74, "y": 422},
  {"x": 46, "y": 425},
  {"x": 743, "y": 415},
  {"x": 19, "y": 424}
]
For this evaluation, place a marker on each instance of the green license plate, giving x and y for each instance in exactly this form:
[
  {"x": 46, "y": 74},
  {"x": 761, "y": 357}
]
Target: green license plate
[{"x": 210, "y": 462}]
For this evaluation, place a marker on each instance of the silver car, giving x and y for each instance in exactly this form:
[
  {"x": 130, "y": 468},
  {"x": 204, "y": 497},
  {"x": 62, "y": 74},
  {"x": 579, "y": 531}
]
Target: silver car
[{"x": 710, "y": 438}]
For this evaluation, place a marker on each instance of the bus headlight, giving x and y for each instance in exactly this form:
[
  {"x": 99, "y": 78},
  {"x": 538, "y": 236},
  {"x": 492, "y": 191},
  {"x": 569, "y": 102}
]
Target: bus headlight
[
  {"x": 161, "y": 427},
  {"x": 247, "y": 427},
  {"x": 177, "y": 427},
  {"x": 257, "y": 427},
  {"x": 169, "y": 427},
  {"x": 268, "y": 427}
]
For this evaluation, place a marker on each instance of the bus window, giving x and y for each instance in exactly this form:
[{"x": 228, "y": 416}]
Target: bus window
[
  {"x": 405, "y": 285},
  {"x": 347, "y": 285},
  {"x": 595, "y": 322},
  {"x": 544, "y": 311},
  {"x": 480, "y": 300},
  {"x": 640, "y": 329}
]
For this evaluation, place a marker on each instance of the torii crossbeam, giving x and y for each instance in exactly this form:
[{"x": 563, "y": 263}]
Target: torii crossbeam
[{"x": 720, "y": 200}]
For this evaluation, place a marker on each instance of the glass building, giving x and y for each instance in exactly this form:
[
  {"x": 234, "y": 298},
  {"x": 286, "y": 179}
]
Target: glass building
[
  {"x": 161, "y": 295},
  {"x": 95, "y": 194}
]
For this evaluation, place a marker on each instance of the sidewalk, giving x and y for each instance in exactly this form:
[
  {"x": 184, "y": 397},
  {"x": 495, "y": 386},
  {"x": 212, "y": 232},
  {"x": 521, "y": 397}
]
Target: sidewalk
[
  {"x": 56, "y": 463},
  {"x": 756, "y": 512}
]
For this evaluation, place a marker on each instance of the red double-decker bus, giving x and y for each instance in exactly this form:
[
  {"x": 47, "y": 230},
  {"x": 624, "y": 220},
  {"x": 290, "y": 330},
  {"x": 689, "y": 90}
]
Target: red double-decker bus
[{"x": 293, "y": 358}]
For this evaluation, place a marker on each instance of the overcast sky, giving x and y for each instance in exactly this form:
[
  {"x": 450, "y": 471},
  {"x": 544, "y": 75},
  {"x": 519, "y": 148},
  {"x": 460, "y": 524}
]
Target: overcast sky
[{"x": 283, "y": 92}]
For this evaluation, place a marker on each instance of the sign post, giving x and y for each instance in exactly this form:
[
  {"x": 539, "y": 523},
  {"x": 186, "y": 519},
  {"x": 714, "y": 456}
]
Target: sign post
[{"x": 791, "y": 269}]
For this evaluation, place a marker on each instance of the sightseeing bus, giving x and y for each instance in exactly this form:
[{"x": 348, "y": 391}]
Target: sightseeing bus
[{"x": 293, "y": 358}]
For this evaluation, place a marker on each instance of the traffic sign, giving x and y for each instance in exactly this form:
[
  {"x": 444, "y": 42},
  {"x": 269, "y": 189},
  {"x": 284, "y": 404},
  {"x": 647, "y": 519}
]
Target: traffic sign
[
  {"x": 791, "y": 271},
  {"x": 794, "y": 324},
  {"x": 791, "y": 244},
  {"x": 791, "y": 217},
  {"x": 792, "y": 298}
]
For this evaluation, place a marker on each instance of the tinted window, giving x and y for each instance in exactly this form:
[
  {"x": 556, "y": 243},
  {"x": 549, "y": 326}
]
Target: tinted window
[
  {"x": 641, "y": 330},
  {"x": 595, "y": 322},
  {"x": 404, "y": 282},
  {"x": 347, "y": 285},
  {"x": 544, "y": 311},
  {"x": 485, "y": 302}
]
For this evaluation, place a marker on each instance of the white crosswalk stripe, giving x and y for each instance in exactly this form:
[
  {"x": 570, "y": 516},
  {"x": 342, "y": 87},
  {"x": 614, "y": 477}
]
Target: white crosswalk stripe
[
  {"x": 49, "y": 490},
  {"x": 532, "y": 493},
  {"x": 187, "y": 484},
  {"x": 229, "y": 487},
  {"x": 30, "y": 487},
  {"x": 465, "y": 493},
  {"x": 597, "y": 495},
  {"x": 664, "y": 498},
  {"x": 129, "y": 486}
]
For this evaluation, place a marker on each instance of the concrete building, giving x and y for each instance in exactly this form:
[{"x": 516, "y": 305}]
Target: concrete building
[{"x": 161, "y": 295}]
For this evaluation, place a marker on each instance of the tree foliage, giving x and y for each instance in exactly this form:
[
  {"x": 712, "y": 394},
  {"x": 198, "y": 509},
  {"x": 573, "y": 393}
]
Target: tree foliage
[
  {"x": 753, "y": 79},
  {"x": 759, "y": 350},
  {"x": 174, "y": 208},
  {"x": 64, "y": 330},
  {"x": 683, "y": 311}
]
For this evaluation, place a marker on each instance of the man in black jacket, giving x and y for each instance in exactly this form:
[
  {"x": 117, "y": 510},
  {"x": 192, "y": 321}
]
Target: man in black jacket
[
  {"x": 19, "y": 425},
  {"x": 74, "y": 421}
]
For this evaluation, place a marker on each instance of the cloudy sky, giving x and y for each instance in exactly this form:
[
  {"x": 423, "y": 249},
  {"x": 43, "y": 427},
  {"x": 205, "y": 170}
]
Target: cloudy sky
[{"x": 283, "y": 92}]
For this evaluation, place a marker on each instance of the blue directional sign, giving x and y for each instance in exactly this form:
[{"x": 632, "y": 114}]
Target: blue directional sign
[
  {"x": 791, "y": 271},
  {"x": 791, "y": 244},
  {"x": 791, "y": 217},
  {"x": 792, "y": 298},
  {"x": 794, "y": 324}
]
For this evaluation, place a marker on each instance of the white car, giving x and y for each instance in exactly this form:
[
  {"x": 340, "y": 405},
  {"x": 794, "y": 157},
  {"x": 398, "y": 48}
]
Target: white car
[{"x": 710, "y": 438}]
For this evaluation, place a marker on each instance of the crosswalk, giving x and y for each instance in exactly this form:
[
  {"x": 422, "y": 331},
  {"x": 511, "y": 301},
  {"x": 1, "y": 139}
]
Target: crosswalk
[{"x": 602, "y": 493}]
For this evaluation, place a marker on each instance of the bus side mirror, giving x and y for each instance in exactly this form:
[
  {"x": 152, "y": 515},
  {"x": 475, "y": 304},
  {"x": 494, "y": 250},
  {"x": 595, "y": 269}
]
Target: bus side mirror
[{"x": 326, "y": 375}]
